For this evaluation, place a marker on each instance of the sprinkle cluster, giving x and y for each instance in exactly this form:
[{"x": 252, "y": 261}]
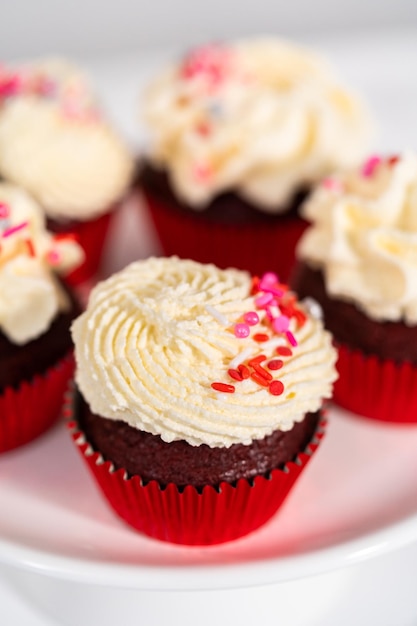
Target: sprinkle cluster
[
  {"x": 279, "y": 307},
  {"x": 74, "y": 100},
  {"x": 367, "y": 170},
  {"x": 211, "y": 64},
  {"x": 23, "y": 243}
]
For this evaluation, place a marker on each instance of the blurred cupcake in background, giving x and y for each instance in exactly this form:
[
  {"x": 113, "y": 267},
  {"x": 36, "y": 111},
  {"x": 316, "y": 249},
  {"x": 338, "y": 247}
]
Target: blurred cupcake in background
[
  {"x": 36, "y": 310},
  {"x": 56, "y": 144},
  {"x": 358, "y": 260},
  {"x": 238, "y": 133}
]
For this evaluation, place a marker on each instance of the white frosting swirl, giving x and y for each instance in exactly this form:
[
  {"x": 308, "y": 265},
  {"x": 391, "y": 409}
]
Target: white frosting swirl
[
  {"x": 54, "y": 144},
  {"x": 262, "y": 117},
  {"x": 30, "y": 294},
  {"x": 364, "y": 237},
  {"x": 153, "y": 340}
]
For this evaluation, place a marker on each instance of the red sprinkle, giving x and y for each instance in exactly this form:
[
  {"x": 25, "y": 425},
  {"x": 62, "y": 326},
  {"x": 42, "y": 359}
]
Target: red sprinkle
[
  {"x": 257, "y": 359},
  {"x": 276, "y": 388},
  {"x": 262, "y": 371},
  {"x": 235, "y": 374},
  {"x": 255, "y": 284},
  {"x": 259, "y": 379},
  {"x": 260, "y": 337},
  {"x": 223, "y": 387},
  {"x": 284, "y": 351},
  {"x": 203, "y": 128},
  {"x": 244, "y": 371},
  {"x": 275, "y": 364},
  {"x": 31, "y": 247},
  {"x": 393, "y": 160},
  {"x": 300, "y": 316}
]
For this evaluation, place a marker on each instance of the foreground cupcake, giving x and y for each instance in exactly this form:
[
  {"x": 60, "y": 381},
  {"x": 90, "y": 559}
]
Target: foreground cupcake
[
  {"x": 238, "y": 134},
  {"x": 202, "y": 397},
  {"x": 359, "y": 262},
  {"x": 55, "y": 143},
  {"x": 36, "y": 311}
]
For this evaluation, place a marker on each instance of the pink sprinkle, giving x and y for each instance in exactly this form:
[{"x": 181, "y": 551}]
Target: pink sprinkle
[
  {"x": 370, "y": 165},
  {"x": 291, "y": 338},
  {"x": 281, "y": 324},
  {"x": 203, "y": 128},
  {"x": 263, "y": 300},
  {"x": 10, "y": 85},
  {"x": 202, "y": 172},
  {"x": 251, "y": 318},
  {"x": 53, "y": 257},
  {"x": 14, "y": 229},
  {"x": 269, "y": 278},
  {"x": 4, "y": 210},
  {"x": 271, "y": 289},
  {"x": 269, "y": 313},
  {"x": 333, "y": 185},
  {"x": 241, "y": 331}
]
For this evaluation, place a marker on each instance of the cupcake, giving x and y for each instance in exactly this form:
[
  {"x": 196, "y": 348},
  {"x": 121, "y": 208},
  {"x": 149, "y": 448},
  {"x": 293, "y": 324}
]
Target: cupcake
[
  {"x": 56, "y": 144},
  {"x": 36, "y": 311},
  {"x": 201, "y": 396},
  {"x": 238, "y": 133},
  {"x": 358, "y": 261}
]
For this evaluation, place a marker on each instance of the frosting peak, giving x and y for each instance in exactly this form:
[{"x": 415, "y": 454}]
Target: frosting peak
[
  {"x": 55, "y": 143},
  {"x": 261, "y": 117},
  {"x": 364, "y": 236},
  {"x": 30, "y": 295},
  {"x": 175, "y": 348}
]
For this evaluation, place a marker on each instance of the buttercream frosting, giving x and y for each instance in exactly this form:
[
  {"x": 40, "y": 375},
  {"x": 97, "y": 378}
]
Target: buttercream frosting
[
  {"x": 30, "y": 257},
  {"x": 158, "y": 338},
  {"x": 55, "y": 143},
  {"x": 261, "y": 117},
  {"x": 364, "y": 236}
]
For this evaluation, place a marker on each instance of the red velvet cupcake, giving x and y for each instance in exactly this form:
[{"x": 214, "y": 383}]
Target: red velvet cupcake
[
  {"x": 239, "y": 133},
  {"x": 36, "y": 311},
  {"x": 201, "y": 397},
  {"x": 55, "y": 143},
  {"x": 358, "y": 260}
]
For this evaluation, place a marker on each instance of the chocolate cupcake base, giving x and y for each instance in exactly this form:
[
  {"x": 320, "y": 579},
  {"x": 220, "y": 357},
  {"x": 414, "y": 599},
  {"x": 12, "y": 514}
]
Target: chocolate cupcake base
[
  {"x": 186, "y": 514},
  {"x": 352, "y": 328},
  {"x": 151, "y": 458}
]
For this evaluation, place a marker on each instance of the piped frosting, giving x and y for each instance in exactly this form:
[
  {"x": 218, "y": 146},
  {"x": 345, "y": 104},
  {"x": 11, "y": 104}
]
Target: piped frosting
[
  {"x": 364, "y": 236},
  {"x": 161, "y": 347},
  {"x": 55, "y": 143},
  {"x": 260, "y": 117},
  {"x": 30, "y": 258}
]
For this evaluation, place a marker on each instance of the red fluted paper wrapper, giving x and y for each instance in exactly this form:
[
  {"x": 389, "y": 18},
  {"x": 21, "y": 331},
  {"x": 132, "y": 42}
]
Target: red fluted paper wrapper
[
  {"x": 188, "y": 516},
  {"x": 91, "y": 235},
  {"x": 29, "y": 410},
  {"x": 258, "y": 247},
  {"x": 379, "y": 389}
]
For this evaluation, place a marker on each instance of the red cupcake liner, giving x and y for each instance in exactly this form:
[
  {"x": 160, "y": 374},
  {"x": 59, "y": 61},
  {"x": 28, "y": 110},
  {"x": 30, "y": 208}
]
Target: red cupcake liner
[
  {"x": 188, "y": 516},
  {"x": 257, "y": 247},
  {"x": 29, "y": 410},
  {"x": 379, "y": 389},
  {"x": 91, "y": 235}
]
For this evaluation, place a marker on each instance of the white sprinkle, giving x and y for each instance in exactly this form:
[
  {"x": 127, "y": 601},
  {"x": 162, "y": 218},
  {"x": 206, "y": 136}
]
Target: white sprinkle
[
  {"x": 239, "y": 358},
  {"x": 222, "y": 319},
  {"x": 313, "y": 308},
  {"x": 273, "y": 343}
]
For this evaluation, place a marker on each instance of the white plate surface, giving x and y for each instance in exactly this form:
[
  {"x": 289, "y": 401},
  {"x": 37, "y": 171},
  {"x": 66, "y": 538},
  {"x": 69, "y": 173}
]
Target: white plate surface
[{"x": 358, "y": 497}]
